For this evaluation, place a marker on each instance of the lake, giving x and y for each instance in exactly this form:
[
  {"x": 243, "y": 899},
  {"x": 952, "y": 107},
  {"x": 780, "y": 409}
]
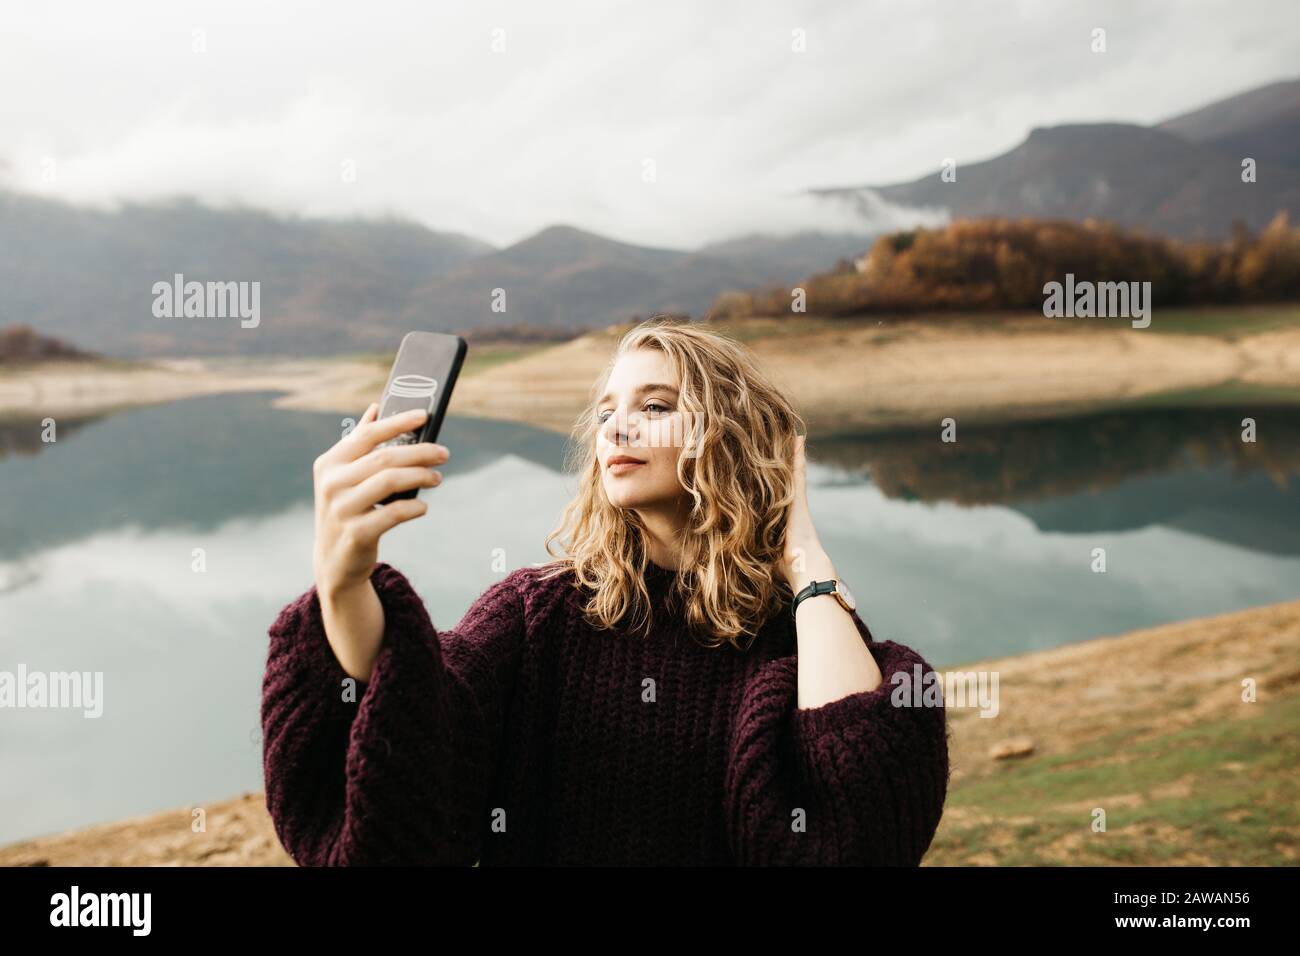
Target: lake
[{"x": 975, "y": 549}]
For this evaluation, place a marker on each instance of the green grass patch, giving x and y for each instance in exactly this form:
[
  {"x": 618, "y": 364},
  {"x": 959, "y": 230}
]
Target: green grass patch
[
  {"x": 1218, "y": 396},
  {"x": 1228, "y": 322},
  {"x": 1244, "y": 816}
]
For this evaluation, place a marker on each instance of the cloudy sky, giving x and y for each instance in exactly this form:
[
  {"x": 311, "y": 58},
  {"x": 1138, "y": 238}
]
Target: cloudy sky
[{"x": 670, "y": 123}]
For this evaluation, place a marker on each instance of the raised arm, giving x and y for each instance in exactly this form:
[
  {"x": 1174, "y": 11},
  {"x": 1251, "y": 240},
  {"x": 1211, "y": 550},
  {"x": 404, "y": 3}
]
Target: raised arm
[
  {"x": 394, "y": 770},
  {"x": 859, "y": 781}
]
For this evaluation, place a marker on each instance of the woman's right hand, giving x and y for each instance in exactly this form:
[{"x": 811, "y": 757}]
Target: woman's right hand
[
  {"x": 349, "y": 480},
  {"x": 354, "y": 476}
]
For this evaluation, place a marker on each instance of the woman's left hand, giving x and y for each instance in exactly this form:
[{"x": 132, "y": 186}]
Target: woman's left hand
[{"x": 801, "y": 541}]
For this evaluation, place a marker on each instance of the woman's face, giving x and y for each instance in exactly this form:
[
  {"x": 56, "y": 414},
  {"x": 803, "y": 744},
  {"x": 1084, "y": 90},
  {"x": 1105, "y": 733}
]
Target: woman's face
[{"x": 640, "y": 420}]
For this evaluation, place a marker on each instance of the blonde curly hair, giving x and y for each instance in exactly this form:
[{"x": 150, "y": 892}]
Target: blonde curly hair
[{"x": 736, "y": 466}]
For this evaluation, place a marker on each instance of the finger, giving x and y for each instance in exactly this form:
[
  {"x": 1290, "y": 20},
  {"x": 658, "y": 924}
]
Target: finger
[
  {"x": 364, "y": 438},
  {"x": 339, "y": 450},
  {"x": 369, "y": 527},
  {"x": 394, "y": 456},
  {"x": 379, "y": 486}
]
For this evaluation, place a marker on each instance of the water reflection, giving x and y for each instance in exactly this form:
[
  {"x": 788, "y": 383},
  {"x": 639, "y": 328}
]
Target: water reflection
[
  {"x": 1188, "y": 469},
  {"x": 967, "y": 551},
  {"x": 195, "y": 464}
]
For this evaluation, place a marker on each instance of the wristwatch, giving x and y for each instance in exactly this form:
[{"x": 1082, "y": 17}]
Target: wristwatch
[{"x": 836, "y": 587}]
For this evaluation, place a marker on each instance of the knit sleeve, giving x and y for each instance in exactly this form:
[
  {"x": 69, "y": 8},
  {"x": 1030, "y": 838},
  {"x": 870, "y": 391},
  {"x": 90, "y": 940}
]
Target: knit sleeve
[
  {"x": 857, "y": 781},
  {"x": 396, "y": 772}
]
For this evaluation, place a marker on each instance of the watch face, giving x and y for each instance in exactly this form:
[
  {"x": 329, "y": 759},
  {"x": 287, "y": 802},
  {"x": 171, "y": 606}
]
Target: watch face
[{"x": 843, "y": 591}]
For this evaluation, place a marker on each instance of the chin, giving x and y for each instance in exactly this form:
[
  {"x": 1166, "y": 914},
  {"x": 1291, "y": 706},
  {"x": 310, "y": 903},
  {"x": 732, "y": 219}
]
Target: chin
[
  {"x": 623, "y": 498},
  {"x": 624, "y": 494}
]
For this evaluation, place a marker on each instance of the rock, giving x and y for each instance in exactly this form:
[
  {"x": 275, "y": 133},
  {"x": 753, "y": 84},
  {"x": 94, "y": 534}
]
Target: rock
[{"x": 1014, "y": 747}]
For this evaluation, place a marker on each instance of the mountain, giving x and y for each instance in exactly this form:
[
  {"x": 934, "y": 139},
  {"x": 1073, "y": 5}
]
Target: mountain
[
  {"x": 87, "y": 275},
  {"x": 329, "y": 286},
  {"x": 803, "y": 252},
  {"x": 1263, "y": 123},
  {"x": 565, "y": 277},
  {"x": 1182, "y": 178}
]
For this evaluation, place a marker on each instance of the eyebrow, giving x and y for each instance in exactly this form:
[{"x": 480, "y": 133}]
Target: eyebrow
[{"x": 644, "y": 389}]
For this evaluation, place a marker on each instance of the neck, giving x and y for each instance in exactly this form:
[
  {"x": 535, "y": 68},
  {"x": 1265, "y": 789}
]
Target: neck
[{"x": 663, "y": 532}]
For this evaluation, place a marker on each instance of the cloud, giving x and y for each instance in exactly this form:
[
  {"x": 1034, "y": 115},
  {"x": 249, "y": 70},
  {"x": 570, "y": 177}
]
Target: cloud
[{"x": 564, "y": 118}]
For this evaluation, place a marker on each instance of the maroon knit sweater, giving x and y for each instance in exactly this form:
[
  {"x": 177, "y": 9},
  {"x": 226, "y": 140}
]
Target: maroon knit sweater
[{"x": 525, "y": 736}]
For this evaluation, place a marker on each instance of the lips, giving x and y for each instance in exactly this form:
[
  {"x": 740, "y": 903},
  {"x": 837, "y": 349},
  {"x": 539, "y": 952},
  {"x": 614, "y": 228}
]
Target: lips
[{"x": 622, "y": 465}]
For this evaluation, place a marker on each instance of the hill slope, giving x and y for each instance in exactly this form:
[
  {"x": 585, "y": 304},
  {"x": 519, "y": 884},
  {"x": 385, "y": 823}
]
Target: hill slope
[
  {"x": 1263, "y": 123},
  {"x": 86, "y": 275},
  {"x": 1133, "y": 175},
  {"x": 330, "y": 286}
]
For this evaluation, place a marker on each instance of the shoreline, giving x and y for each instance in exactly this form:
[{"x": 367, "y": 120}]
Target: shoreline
[
  {"x": 78, "y": 389},
  {"x": 844, "y": 376},
  {"x": 1075, "y": 706}
]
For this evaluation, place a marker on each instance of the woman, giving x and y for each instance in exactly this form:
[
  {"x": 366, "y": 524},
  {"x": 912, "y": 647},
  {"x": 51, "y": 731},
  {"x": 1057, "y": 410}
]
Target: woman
[{"x": 646, "y": 698}]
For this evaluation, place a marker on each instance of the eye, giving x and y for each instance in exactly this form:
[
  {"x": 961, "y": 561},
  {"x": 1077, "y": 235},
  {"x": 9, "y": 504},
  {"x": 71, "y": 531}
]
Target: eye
[{"x": 654, "y": 407}]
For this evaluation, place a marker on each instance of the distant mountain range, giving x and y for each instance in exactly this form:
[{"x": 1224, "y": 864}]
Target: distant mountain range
[
  {"x": 563, "y": 276},
  {"x": 85, "y": 275},
  {"x": 1181, "y": 178},
  {"x": 1263, "y": 123},
  {"x": 329, "y": 286},
  {"x": 336, "y": 286}
]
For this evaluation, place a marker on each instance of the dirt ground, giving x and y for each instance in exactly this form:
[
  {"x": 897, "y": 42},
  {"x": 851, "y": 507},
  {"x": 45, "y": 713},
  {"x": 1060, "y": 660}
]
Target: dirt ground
[
  {"x": 848, "y": 377},
  {"x": 78, "y": 388},
  {"x": 845, "y": 376},
  {"x": 1060, "y": 702},
  {"x": 1150, "y": 725}
]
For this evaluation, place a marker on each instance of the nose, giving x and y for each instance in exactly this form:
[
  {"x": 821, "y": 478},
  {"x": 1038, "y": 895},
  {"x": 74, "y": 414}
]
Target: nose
[{"x": 615, "y": 431}]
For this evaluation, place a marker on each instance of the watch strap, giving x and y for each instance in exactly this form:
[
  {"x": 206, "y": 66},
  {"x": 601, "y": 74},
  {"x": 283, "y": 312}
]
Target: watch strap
[{"x": 812, "y": 590}]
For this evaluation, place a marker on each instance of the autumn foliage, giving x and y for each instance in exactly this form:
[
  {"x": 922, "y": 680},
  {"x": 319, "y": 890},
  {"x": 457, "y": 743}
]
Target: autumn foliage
[{"x": 980, "y": 264}]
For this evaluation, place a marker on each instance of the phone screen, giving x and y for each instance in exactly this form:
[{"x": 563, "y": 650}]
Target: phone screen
[{"x": 422, "y": 376}]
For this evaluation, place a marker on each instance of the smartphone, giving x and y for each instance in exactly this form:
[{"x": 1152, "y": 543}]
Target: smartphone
[{"x": 423, "y": 375}]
